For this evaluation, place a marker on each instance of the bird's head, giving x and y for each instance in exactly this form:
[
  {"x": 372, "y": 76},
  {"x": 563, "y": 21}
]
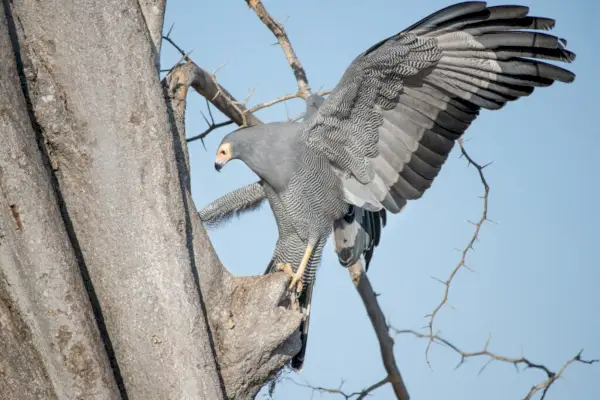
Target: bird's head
[
  {"x": 234, "y": 146},
  {"x": 264, "y": 148},
  {"x": 224, "y": 154}
]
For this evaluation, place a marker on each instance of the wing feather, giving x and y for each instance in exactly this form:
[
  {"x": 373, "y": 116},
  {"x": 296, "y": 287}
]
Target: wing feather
[{"x": 390, "y": 123}]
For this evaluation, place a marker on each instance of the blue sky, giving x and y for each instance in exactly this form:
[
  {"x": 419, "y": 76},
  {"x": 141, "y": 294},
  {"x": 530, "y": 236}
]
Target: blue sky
[{"x": 536, "y": 276}]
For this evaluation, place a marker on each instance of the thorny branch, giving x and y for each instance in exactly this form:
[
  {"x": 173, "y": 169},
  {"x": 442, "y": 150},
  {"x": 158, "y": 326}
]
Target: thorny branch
[
  {"x": 217, "y": 95},
  {"x": 543, "y": 386},
  {"x": 465, "y": 251},
  {"x": 348, "y": 396},
  {"x": 211, "y": 126},
  {"x": 282, "y": 98},
  {"x": 283, "y": 40}
]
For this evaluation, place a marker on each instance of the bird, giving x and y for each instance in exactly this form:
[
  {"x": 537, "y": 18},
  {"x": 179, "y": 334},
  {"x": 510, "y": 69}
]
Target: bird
[
  {"x": 357, "y": 235},
  {"x": 382, "y": 135}
]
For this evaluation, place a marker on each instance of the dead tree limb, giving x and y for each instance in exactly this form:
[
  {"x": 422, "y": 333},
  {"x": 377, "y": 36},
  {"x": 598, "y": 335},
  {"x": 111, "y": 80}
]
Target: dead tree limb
[
  {"x": 282, "y": 38},
  {"x": 359, "y": 395},
  {"x": 386, "y": 343},
  {"x": 543, "y": 386},
  {"x": 464, "y": 252}
]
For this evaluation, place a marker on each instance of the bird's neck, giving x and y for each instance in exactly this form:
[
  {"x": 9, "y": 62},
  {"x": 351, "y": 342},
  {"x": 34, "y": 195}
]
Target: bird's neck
[{"x": 275, "y": 162}]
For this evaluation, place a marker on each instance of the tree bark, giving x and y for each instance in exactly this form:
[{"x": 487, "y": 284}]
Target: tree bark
[{"x": 109, "y": 286}]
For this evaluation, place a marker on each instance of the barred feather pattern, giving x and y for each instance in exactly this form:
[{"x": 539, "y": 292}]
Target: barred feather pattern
[
  {"x": 290, "y": 250},
  {"x": 233, "y": 204},
  {"x": 388, "y": 126}
]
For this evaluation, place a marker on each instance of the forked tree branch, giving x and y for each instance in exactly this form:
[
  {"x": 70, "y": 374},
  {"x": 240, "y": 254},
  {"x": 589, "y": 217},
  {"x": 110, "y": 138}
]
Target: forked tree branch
[
  {"x": 543, "y": 386},
  {"x": 358, "y": 395}
]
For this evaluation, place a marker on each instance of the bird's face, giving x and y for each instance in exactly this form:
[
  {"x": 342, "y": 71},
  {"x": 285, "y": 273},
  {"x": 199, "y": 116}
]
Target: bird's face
[{"x": 224, "y": 154}]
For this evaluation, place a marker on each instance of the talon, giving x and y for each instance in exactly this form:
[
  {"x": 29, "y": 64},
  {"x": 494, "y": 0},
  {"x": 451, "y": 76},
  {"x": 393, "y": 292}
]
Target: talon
[
  {"x": 287, "y": 268},
  {"x": 296, "y": 281}
]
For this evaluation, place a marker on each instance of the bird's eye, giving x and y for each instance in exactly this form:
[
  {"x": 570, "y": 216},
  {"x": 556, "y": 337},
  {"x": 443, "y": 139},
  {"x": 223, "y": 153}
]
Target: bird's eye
[{"x": 223, "y": 152}]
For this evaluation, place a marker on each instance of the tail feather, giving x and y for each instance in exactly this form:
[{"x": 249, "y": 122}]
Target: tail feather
[
  {"x": 357, "y": 234},
  {"x": 305, "y": 303}
]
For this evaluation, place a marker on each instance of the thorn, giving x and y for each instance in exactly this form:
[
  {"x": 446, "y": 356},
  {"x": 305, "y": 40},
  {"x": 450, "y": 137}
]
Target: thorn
[{"x": 170, "y": 29}]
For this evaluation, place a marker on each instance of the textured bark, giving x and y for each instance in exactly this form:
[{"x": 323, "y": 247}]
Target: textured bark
[
  {"x": 242, "y": 311},
  {"x": 97, "y": 99},
  {"x": 109, "y": 285},
  {"x": 49, "y": 342},
  {"x": 154, "y": 15}
]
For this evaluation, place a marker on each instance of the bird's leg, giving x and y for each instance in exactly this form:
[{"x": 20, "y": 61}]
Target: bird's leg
[
  {"x": 287, "y": 268},
  {"x": 297, "y": 278}
]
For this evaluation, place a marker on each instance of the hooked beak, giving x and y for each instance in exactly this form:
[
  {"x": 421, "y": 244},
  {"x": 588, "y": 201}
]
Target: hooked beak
[
  {"x": 223, "y": 156},
  {"x": 220, "y": 161}
]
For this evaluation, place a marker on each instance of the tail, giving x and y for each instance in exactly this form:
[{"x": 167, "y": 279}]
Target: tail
[
  {"x": 305, "y": 301},
  {"x": 357, "y": 234}
]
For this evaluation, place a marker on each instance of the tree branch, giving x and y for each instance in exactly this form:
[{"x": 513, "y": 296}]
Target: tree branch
[
  {"x": 279, "y": 31},
  {"x": 386, "y": 343},
  {"x": 206, "y": 85},
  {"x": 465, "y": 251},
  {"x": 348, "y": 396},
  {"x": 543, "y": 386},
  {"x": 212, "y": 125},
  {"x": 281, "y": 99}
]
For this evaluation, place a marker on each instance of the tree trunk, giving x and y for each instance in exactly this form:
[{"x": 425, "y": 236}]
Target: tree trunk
[{"x": 109, "y": 286}]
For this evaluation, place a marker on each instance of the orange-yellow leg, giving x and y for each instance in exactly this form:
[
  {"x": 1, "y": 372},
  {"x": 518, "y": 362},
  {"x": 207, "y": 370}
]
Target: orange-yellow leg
[
  {"x": 297, "y": 278},
  {"x": 287, "y": 268}
]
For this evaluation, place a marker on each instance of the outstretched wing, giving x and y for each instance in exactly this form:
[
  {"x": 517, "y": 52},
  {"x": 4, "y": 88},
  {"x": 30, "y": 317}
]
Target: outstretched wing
[{"x": 390, "y": 123}]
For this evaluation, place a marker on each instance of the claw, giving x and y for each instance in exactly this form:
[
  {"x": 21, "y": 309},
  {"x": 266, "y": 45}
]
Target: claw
[
  {"x": 296, "y": 278},
  {"x": 296, "y": 281},
  {"x": 287, "y": 268}
]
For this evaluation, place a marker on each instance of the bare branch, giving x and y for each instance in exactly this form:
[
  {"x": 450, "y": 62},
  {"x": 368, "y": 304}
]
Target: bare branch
[
  {"x": 211, "y": 126},
  {"x": 206, "y": 85},
  {"x": 465, "y": 251},
  {"x": 348, "y": 396},
  {"x": 386, "y": 343},
  {"x": 281, "y": 99},
  {"x": 516, "y": 361},
  {"x": 279, "y": 31}
]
